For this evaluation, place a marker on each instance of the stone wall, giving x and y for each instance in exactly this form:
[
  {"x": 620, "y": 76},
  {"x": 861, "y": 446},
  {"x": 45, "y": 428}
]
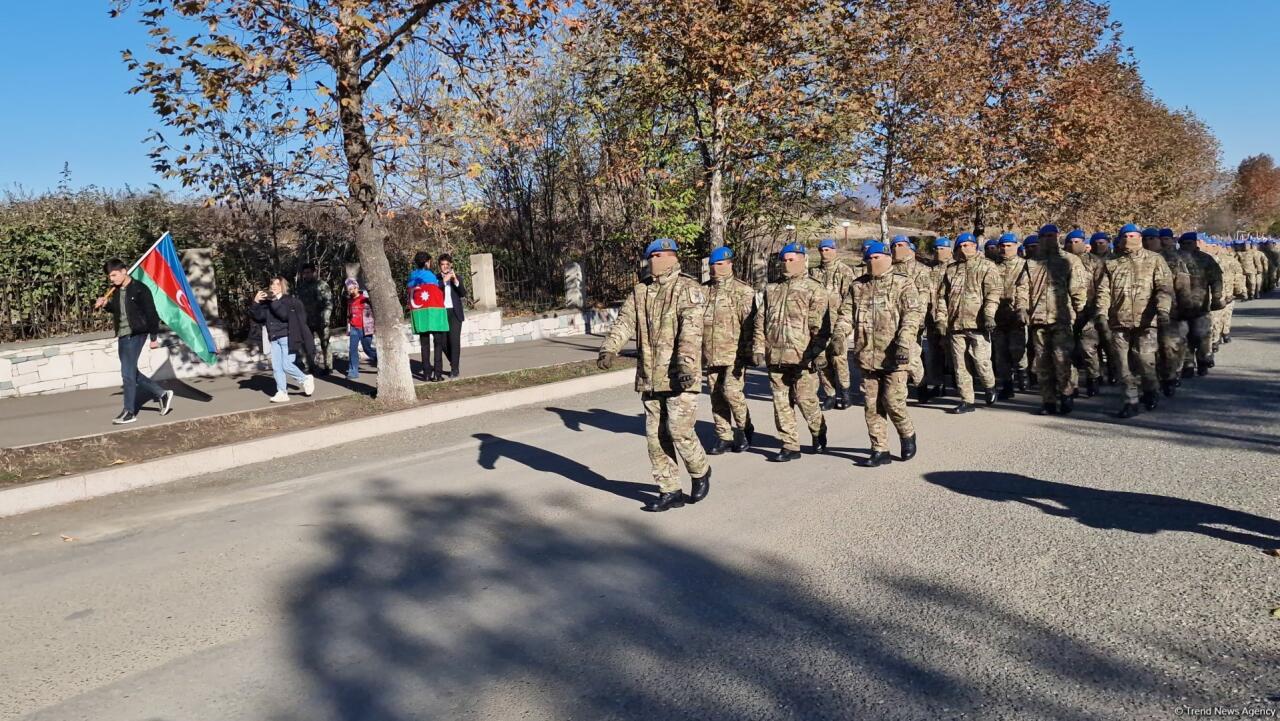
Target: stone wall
[{"x": 90, "y": 361}]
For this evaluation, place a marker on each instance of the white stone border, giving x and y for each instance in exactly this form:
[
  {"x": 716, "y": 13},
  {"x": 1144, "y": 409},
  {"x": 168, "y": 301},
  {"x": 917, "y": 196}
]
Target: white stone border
[{"x": 71, "y": 489}]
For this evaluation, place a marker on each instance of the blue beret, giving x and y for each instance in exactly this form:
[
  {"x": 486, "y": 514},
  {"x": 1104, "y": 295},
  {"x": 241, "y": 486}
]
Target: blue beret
[
  {"x": 872, "y": 247},
  {"x": 724, "y": 252},
  {"x": 1077, "y": 233},
  {"x": 1166, "y": 232},
  {"x": 659, "y": 244},
  {"x": 1189, "y": 236},
  {"x": 827, "y": 243},
  {"x": 1032, "y": 240},
  {"x": 1130, "y": 228},
  {"x": 1150, "y": 232},
  {"x": 1008, "y": 238},
  {"x": 992, "y": 242},
  {"x": 1049, "y": 229},
  {"x": 965, "y": 238},
  {"x": 943, "y": 242},
  {"x": 1099, "y": 236},
  {"x": 1238, "y": 241},
  {"x": 902, "y": 239},
  {"x": 793, "y": 248}
]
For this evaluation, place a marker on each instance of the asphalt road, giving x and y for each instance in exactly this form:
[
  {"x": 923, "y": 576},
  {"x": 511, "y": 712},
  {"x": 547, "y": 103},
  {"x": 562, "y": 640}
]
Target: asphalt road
[{"x": 499, "y": 568}]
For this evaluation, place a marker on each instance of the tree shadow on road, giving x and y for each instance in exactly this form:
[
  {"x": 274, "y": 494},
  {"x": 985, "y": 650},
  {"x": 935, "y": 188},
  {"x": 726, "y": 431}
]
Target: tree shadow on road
[
  {"x": 471, "y": 607},
  {"x": 493, "y": 448},
  {"x": 1145, "y": 513}
]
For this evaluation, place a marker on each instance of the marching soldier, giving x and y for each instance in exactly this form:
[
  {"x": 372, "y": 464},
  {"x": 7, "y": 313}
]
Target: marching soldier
[
  {"x": 836, "y": 276},
  {"x": 1009, "y": 339},
  {"x": 1056, "y": 294},
  {"x": 727, "y": 334},
  {"x": 665, "y": 314},
  {"x": 1232, "y": 268},
  {"x": 966, "y": 307},
  {"x": 1173, "y": 338},
  {"x": 1247, "y": 267},
  {"x": 936, "y": 351},
  {"x": 1135, "y": 296},
  {"x": 1260, "y": 269},
  {"x": 906, "y": 263},
  {"x": 1204, "y": 297},
  {"x": 1088, "y": 339},
  {"x": 791, "y": 333},
  {"x": 883, "y": 308},
  {"x": 1100, "y": 246}
]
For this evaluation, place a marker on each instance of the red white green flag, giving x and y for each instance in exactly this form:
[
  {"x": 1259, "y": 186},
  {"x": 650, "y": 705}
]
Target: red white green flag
[
  {"x": 426, "y": 308},
  {"x": 160, "y": 270}
]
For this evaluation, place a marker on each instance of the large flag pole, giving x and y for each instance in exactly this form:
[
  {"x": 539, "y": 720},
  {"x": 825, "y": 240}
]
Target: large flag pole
[{"x": 136, "y": 263}]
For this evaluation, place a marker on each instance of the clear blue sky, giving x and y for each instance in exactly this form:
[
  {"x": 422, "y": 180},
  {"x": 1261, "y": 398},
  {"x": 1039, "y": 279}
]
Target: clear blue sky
[{"x": 60, "y": 67}]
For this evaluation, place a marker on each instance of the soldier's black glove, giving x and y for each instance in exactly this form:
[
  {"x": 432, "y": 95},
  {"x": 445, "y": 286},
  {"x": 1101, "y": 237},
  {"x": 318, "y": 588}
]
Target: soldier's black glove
[
  {"x": 685, "y": 377},
  {"x": 605, "y": 361},
  {"x": 901, "y": 359},
  {"x": 1023, "y": 317},
  {"x": 757, "y": 359}
]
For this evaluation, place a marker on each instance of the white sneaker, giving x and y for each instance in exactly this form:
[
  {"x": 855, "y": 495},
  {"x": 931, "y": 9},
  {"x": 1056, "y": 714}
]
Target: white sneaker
[
  {"x": 280, "y": 398},
  {"x": 308, "y": 385}
]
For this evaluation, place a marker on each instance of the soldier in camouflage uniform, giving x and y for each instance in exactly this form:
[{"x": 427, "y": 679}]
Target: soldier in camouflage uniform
[
  {"x": 1240, "y": 291},
  {"x": 1100, "y": 244},
  {"x": 1260, "y": 265},
  {"x": 836, "y": 277},
  {"x": 906, "y": 263},
  {"x": 1247, "y": 267},
  {"x": 1272, "y": 253},
  {"x": 317, "y": 299},
  {"x": 1057, "y": 292},
  {"x": 1173, "y": 338},
  {"x": 1204, "y": 297},
  {"x": 1009, "y": 339},
  {"x": 966, "y": 308},
  {"x": 792, "y": 331},
  {"x": 883, "y": 308},
  {"x": 1029, "y": 251},
  {"x": 1136, "y": 297},
  {"x": 937, "y": 352},
  {"x": 1088, "y": 340},
  {"x": 665, "y": 313},
  {"x": 727, "y": 334}
]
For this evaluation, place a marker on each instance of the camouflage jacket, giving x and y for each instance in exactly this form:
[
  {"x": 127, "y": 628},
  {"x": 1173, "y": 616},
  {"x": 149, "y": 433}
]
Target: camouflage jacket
[
  {"x": 969, "y": 295},
  {"x": 836, "y": 278},
  {"x": 919, "y": 274},
  {"x": 1136, "y": 288},
  {"x": 727, "y": 328},
  {"x": 1013, "y": 295},
  {"x": 665, "y": 315},
  {"x": 317, "y": 299},
  {"x": 1204, "y": 284},
  {"x": 936, "y": 273},
  {"x": 885, "y": 315},
  {"x": 1233, "y": 287},
  {"x": 794, "y": 325},
  {"x": 1057, "y": 289},
  {"x": 1245, "y": 259},
  {"x": 1180, "y": 279},
  {"x": 1260, "y": 260}
]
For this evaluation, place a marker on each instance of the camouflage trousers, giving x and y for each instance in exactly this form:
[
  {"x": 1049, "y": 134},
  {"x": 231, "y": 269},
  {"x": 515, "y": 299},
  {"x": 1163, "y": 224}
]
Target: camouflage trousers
[
  {"x": 728, "y": 399},
  {"x": 1054, "y": 346},
  {"x": 885, "y": 399},
  {"x": 1251, "y": 285},
  {"x": 835, "y": 372},
  {"x": 936, "y": 354},
  {"x": 971, "y": 355},
  {"x": 669, "y": 420},
  {"x": 1135, "y": 352},
  {"x": 1199, "y": 339},
  {"x": 1090, "y": 350},
  {"x": 1173, "y": 348},
  {"x": 794, "y": 385},
  {"x": 1226, "y": 319},
  {"x": 1008, "y": 351}
]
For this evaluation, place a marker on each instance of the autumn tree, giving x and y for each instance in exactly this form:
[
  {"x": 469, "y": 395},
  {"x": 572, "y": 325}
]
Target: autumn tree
[
  {"x": 313, "y": 71},
  {"x": 1255, "y": 196}
]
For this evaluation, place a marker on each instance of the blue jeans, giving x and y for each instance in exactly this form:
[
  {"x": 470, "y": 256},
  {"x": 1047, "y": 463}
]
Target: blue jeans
[
  {"x": 282, "y": 364},
  {"x": 130, "y": 347},
  {"x": 358, "y": 338}
]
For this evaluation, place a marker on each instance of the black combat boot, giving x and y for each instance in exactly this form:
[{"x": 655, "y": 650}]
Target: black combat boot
[
  {"x": 749, "y": 432},
  {"x": 701, "y": 487},
  {"x": 740, "y": 442},
  {"x": 877, "y": 458},
  {"x": 848, "y": 397},
  {"x": 1006, "y": 391},
  {"x": 961, "y": 408},
  {"x": 1168, "y": 388},
  {"x": 938, "y": 391},
  {"x": 1202, "y": 369},
  {"x": 1091, "y": 388},
  {"x": 784, "y": 455},
  {"x": 720, "y": 447},
  {"x": 1188, "y": 372},
  {"x": 1066, "y": 404},
  {"x": 666, "y": 501},
  {"x": 820, "y": 438},
  {"x": 908, "y": 448},
  {"x": 1020, "y": 380},
  {"x": 1211, "y": 362},
  {"x": 842, "y": 399},
  {"x": 989, "y": 396},
  {"x": 922, "y": 393},
  {"x": 1149, "y": 400},
  {"x": 1128, "y": 410},
  {"x": 1048, "y": 409},
  {"x": 828, "y": 402},
  {"x": 1226, "y": 339}
]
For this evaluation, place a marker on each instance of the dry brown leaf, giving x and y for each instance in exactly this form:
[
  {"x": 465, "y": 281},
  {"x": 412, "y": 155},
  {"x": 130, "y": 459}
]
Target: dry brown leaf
[
  {"x": 65, "y": 537},
  {"x": 117, "y": 462}
]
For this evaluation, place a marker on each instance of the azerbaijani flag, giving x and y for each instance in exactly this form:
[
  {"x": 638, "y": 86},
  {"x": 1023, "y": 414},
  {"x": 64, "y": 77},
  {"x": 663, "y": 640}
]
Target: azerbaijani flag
[
  {"x": 160, "y": 270},
  {"x": 426, "y": 308}
]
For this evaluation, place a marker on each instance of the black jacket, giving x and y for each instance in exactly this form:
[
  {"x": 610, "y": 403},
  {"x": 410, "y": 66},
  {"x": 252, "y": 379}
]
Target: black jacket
[
  {"x": 291, "y": 311},
  {"x": 459, "y": 293},
  {"x": 139, "y": 308}
]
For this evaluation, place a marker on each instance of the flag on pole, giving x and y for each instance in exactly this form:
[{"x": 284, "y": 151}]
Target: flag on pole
[
  {"x": 160, "y": 270},
  {"x": 426, "y": 308}
]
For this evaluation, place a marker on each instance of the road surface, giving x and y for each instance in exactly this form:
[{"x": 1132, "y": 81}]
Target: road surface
[{"x": 499, "y": 568}]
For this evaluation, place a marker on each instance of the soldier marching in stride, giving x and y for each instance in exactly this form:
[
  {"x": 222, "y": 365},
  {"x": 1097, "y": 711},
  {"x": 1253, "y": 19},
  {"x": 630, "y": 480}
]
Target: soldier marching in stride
[
  {"x": 792, "y": 331},
  {"x": 1135, "y": 297},
  {"x": 836, "y": 276},
  {"x": 966, "y": 306},
  {"x": 665, "y": 313},
  {"x": 1056, "y": 294},
  {"x": 1009, "y": 339},
  {"x": 727, "y": 334}
]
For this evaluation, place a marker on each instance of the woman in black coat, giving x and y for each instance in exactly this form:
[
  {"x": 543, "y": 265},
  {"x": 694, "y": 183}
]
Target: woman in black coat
[{"x": 285, "y": 319}]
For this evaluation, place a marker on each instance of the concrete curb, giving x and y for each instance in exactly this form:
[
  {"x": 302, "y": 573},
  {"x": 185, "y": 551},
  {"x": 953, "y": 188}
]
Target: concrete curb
[{"x": 70, "y": 489}]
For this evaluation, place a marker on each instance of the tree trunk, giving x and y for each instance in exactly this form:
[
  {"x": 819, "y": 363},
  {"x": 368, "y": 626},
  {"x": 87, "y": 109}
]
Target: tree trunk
[
  {"x": 715, "y": 179},
  {"x": 979, "y": 219},
  {"x": 395, "y": 380}
]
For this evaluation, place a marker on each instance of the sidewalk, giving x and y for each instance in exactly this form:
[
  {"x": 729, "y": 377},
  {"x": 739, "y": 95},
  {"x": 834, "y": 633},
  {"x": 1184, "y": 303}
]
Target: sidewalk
[{"x": 62, "y": 416}]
